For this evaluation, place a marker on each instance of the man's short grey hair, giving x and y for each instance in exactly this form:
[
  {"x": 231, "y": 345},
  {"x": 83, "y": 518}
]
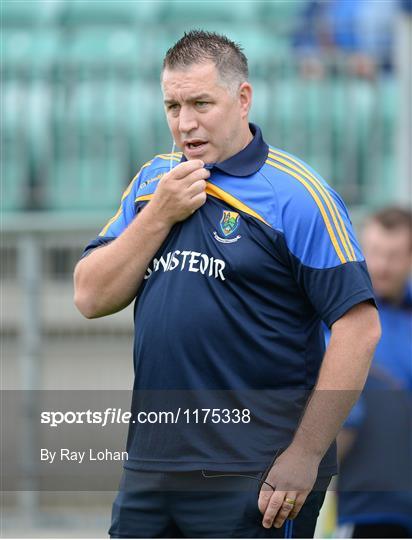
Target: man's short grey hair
[{"x": 198, "y": 46}]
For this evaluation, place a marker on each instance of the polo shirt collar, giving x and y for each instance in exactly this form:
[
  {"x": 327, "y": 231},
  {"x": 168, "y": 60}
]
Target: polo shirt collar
[{"x": 246, "y": 162}]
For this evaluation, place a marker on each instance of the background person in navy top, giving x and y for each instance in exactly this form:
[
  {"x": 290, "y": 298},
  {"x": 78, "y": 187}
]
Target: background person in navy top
[
  {"x": 235, "y": 252},
  {"x": 375, "y": 480}
]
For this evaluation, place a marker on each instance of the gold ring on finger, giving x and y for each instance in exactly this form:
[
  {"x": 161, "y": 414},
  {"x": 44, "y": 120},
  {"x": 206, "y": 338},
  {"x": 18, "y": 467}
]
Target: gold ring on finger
[{"x": 290, "y": 501}]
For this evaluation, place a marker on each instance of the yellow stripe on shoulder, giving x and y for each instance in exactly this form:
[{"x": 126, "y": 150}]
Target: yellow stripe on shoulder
[
  {"x": 325, "y": 216},
  {"x": 144, "y": 197},
  {"x": 168, "y": 157},
  {"x": 112, "y": 220},
  {"x": 330, "y": 203},
  {"x": 178, "y": 154},
  {"x": 219, "y": 193},
  {"x": 129, "y": 187},
  {"x": 125, "y": 194}
]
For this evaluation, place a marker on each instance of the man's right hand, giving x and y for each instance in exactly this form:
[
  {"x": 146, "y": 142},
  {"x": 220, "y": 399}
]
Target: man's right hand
[
  {"x": 107, "y": 280},
  {"x": 180, "y": 192}
]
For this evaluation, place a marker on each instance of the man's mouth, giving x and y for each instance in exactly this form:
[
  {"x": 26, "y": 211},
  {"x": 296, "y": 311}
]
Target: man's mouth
[{"x": 195, "y": 143}]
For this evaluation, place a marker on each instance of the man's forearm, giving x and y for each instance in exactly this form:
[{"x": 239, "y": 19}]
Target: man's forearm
[
  {"x": 341, "y": 379},
  {"x": 107, "y": 280}
]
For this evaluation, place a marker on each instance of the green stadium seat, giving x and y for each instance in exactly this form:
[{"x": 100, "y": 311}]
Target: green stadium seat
[
  {"x": 283, "y": 103},
  {"x": 261, "y": 46},
  {"x": 147, "y": 129},
  {"x": 260, "y": 105},
  {"x": 194, "y": 14},
  {"x": 296, "y": 121},
  {"x": 91, "y": 147},
  {"x": 281, "y": 15},
  {"x": 107, "y": 13},
  {"x": 337, "y": 114},
  {"x": 387, "y": 97},
  {"x": 15, "y": 168},
  {"x": 95, "y": 80},
  {"x": 359, "y": 132},
  {"x": 101, "y": 46},
  {"x": 155, "y": 46},
  {"x": 312, "y": 124},
  {"x": 147, "y": 13},
  {"x": 32, "y": 52},
  {"x": 16, "y": 46},
  {"x": 29, "y": 13},
  {"x": 88, "y": 171}
]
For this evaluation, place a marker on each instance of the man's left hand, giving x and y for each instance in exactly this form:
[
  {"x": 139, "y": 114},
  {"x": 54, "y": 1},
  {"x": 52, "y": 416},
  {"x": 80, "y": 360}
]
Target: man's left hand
[{"x": 292, "y": 476}]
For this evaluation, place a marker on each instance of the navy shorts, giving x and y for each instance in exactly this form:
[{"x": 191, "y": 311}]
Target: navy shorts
[{"x": 188, "y": 505}]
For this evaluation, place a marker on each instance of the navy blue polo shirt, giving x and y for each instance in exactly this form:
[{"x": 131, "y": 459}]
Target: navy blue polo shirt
[{"x": 229, "y": 313}]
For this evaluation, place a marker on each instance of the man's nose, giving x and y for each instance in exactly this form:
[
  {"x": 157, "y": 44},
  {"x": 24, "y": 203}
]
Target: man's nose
[{"x": 187, "y": 120}]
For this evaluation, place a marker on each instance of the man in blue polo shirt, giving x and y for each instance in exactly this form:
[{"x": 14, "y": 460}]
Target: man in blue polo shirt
[
  {"x": 235, "y": 252},
  {"x": 375, "y": 479}
]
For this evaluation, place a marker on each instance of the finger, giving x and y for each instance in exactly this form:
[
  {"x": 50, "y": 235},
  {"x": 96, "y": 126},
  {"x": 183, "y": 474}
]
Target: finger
[
  {"x": 287, "y": 507},
  {"x": 264, "y": 497},
  {"x": 300, "y": 501},
  {"x": 195, "y": 176},
  {"x": 185, "y": 168},
  {"x": 273, "y": 508},
  {"x": 196, "y": 188},
  {"x": 198, "y": 201}
]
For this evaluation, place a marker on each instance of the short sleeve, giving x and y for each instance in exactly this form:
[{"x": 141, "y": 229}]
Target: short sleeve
[
  {"x": 120, "y": 221},
  {"x": 325, "y": 255}
]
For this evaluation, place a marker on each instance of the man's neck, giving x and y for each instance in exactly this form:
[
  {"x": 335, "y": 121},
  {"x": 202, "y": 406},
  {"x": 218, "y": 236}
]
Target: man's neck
[{"x": 248, "y": 137}]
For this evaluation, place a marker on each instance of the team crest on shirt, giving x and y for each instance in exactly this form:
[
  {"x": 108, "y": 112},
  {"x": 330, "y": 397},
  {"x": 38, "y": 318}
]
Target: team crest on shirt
[{"x": 229, "y": 223}]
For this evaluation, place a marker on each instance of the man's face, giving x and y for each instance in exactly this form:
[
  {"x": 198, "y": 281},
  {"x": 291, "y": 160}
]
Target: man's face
[
  {"x": 206, "y": 120},
  {"x": 389, "y": 259}
]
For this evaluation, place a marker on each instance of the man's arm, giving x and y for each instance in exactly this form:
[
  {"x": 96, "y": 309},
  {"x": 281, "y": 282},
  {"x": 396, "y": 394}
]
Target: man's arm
[
  {"x": 341, "y": 379},
  {"x": 107, "y": 280}
]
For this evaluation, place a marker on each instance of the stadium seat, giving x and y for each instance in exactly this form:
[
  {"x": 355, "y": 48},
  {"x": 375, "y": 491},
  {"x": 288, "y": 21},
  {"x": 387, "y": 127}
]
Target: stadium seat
[
  {"x": 147, "y": 13},
  {"x": 261, "y": 46},
  {"x": 194, "y": 14},
  {"x": 29, "y": 52},
  {"x": 90, "y": 157},
  {"x": 88, "y": 14},
  {"x": 116, "y": 46},
  {"x": 29, "y": 13},
  {"x": 85, "y": 75},
  {"x": 87, "y": 173},
  {"x": 15, "y": 149},
  {"x": 148, "y": 130},
  {"x": 281, "y": 16},
  {"x": 387, "y": 96},
  {"x": 261, "y": 105},
  {"x": 16, "y": 46}
]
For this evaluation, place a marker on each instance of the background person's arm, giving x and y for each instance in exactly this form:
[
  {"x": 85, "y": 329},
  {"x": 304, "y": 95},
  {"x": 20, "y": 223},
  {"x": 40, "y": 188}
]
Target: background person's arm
[
  {"x": 345, "y": 440},
  {"x": 107, "y": 279},
  {"x": 342, "y": 376}
]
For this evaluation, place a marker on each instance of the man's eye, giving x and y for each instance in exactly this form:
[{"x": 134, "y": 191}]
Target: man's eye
[
  {"x": 173, "y": 107},
  {"x": 201, "y": 103}
]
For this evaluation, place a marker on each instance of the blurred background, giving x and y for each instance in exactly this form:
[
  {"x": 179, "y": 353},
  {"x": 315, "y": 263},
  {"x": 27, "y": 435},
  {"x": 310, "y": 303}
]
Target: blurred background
[{"x": 81, "y": 111}]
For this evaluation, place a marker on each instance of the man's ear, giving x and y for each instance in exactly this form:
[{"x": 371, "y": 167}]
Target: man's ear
[{"x": 245, "y": 93}]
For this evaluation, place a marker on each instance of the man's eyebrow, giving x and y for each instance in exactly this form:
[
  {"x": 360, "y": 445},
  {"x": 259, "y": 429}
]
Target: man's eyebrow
[
  {"x": 193, "y": 98},
  {"x": 200, "y": 97}
]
